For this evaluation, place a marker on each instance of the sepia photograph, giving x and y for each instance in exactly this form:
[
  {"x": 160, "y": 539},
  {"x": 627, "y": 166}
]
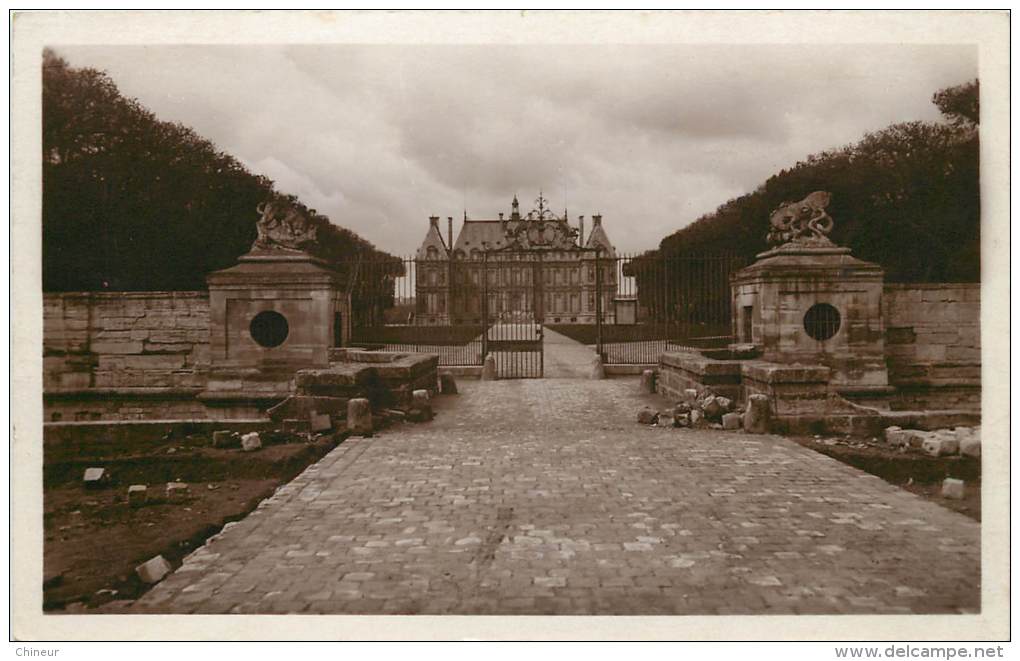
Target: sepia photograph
[{"x": 565, "y": 314}]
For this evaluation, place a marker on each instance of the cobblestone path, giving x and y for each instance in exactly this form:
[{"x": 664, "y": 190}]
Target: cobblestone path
[{"x": 545, "y": 497}]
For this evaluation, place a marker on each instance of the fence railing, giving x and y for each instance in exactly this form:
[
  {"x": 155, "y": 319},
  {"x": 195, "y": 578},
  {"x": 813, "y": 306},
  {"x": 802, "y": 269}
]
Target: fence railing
[{"x": 645, "y": 304}]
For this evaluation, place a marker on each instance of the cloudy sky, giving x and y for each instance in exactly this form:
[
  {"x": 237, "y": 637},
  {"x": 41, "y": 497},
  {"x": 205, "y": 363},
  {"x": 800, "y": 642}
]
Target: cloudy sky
[{"x": 380, "y": 137}]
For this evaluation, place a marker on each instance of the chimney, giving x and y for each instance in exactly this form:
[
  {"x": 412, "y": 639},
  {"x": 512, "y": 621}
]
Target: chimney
[
  {"x": 434, "y": 221},
  {"x": 449, "y": 232},
  {"x": 598, "y": 219},
  {"x": 501, "y": 215},
  {"x": 580, "y": 239}
]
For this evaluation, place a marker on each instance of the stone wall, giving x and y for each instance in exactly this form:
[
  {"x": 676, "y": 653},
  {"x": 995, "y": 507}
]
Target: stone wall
[
  {"x": 124, "y": 355},
  {"x": 933, "y": 344}
]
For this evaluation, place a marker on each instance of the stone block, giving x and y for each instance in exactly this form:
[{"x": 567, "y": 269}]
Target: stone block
[
  {"x": 420, "y": 398},
  {"x": 154, "y": 570},
  {"x": 225, "y": 439},
  {"x": 690, "y": 396},
  {"x": 731, "y": 421},
  {"x": 299, "y": 407},
  {"x": 95, "y": 478},
  {"x": 489, "y": 368},
  {"x": 296, "y": 426},
  {"x": 251, "y": 442},
  {"x": 320, "y": 422},
  {"x": 647, "y": 416},
  {"x": 648, "y": 381},
  {"x": 758, "y": 414},
  {"x": 913, "y": 438},
  {"x": 447, "y": 384},
  {"x": 359, "y": 416},
  {"x": 697, "y": 417},
  {"x": 970, "y": 442},
  {"x": 940, "y": 445},
  {"x": 953, "y": 488},
  {"x": 177, "y": 491},
  {"x": 137, "y": 494},
  {"x": 893, "y": 435}
]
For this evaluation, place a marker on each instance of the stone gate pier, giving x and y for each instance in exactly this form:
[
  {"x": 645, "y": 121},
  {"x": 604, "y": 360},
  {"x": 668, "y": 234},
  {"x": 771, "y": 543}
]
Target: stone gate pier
[{"x": 817, "y": 334}]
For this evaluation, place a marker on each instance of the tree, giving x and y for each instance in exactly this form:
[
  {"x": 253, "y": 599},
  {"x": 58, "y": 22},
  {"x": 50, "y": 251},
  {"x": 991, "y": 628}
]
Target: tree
[
  {"x": 906, "y": 197},
  {"x": 961, "y": 104},
  {"x": 134, "y": 203}
]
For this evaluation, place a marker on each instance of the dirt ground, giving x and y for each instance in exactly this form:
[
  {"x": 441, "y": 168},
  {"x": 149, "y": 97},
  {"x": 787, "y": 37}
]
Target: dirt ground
[
  {"x": 94, "y": 539},
  {"x": 911, "y": 470}
]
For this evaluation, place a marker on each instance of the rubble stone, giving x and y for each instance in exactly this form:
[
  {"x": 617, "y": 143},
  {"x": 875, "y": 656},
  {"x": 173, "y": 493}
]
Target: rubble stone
[
  {"x": 712, "y": 408},
  {"x": 647, "y": 416},
  {"x": 731, "y": 421},
  {"x": 137, "y": 494},
  {"x": 154, "y": 570},
  {"x": 359, "y": 416},
  {"x": 681, "y": 419},
  {"x": 690, "y": 396},
  {"x": 725, "y": 402},
  {"x": 756, "y": 418},
  {"x": 953, "y": 488},
  {"x": 682, "y": 408},
  {"x": 697, "y": 417},
  {"x": 420, "y": 414},
  {"x": 251, "y": 442}
]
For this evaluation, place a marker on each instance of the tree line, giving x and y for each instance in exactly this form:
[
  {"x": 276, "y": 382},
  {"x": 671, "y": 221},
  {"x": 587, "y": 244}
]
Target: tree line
[
  {"x": 132, "y": 203},
  {"x": 907, "y": 197}
]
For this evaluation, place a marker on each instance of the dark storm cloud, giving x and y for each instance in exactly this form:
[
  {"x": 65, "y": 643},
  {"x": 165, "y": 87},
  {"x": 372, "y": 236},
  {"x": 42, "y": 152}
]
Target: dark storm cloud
[{"x": 380, "y": 137}]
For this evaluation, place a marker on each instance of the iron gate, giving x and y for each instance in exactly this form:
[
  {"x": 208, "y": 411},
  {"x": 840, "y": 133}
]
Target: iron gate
[
  {"x": 512, "y": 312},
  {"x": 629, "y": 309}
]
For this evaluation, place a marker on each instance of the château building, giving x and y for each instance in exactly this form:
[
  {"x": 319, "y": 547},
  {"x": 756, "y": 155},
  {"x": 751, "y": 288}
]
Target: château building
[{"x": 532, "y": 267}]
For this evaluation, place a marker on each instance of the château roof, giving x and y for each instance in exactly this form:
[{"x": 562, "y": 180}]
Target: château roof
[
  {"x": 598, "y": 237},
  {"x": 433, "y": 239},
  {"x": 479, "y": 234},
  {"x": 493, "y": 234}
]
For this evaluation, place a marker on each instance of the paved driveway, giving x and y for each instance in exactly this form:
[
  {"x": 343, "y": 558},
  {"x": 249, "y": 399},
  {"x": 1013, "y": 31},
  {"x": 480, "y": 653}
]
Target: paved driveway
[{"x": 544, "y": 496}]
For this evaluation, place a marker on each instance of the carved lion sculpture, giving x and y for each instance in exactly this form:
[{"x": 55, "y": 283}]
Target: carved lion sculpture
[
  {"x": 804, "y": 221},
  {"x": 284, "y": 223}
]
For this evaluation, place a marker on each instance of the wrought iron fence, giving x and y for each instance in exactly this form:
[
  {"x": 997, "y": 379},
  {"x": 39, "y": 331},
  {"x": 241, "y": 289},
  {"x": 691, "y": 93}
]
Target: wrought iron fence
[
  {"x": 663, "y": 303},
  {"x": 630, "y": 307}
]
